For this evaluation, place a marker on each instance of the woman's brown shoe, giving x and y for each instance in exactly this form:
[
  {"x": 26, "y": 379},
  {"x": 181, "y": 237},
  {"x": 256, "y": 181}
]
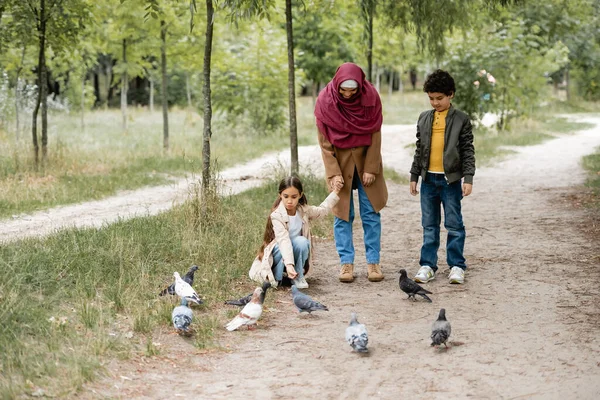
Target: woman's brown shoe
[
  {"x": 347, "y": 273},
  {"x": 374, "y": 273}
]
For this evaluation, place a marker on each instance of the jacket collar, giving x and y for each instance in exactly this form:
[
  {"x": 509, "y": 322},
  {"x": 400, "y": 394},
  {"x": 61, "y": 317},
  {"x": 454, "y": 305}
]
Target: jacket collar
[{"x": 282, "y": 212}]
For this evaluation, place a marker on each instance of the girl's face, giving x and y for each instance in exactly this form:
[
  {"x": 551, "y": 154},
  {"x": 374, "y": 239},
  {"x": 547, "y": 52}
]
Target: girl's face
[
  {"x": 290, "y": 198},
  {"x": 439, "y": 101},
  {"x": 347, "y": 93}
]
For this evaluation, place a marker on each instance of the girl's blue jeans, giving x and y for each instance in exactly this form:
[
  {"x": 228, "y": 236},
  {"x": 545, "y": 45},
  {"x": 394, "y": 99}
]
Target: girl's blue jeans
[
  {"x": 371, "y": 222},
  {"x": 301, "y": 246},
  {"x": 436, "y": 192}
]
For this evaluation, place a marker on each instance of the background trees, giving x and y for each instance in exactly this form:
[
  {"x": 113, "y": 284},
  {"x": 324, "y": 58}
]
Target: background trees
[{"x": 123, "y": 53}]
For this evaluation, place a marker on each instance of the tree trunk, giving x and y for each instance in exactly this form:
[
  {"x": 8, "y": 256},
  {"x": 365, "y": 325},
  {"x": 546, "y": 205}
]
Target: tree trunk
[
  {"x": 188, "y": 91},
  {"x": 42, "y": 85},
  {"x": 83, "y": 102},
  {"x": 207, "y": 132},
  {"x": 18, "y": 94},
  {"x": 567, "y": 83},
  {"x": 291, "y": 88},
  {"x": 151, "y": 94},
  {"x": 164, "y": 94},
  {"x": 391, "y": 75},
  {"x": 124, "y": 86},
  {"x": 368, "y": 12}
]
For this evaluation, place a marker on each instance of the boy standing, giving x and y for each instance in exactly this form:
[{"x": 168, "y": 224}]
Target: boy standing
[{"x": 443, "y": 156}]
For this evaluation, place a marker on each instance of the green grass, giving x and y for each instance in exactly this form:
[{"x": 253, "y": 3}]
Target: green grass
[
  {"x": 392, "y": 175},
  {"x": 491, "y": 145},
  {"x": 79, "y": 297},
  {"x": 592, "y": 164},
  {"x": 102, "y": 159}
]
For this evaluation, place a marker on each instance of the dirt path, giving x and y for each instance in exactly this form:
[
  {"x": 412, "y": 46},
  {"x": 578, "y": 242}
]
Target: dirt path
[{"x": 524, "y": 325}]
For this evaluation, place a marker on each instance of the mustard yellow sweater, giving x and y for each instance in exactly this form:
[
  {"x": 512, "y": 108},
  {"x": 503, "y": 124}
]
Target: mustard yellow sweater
[{"x": 436, "y": 155}]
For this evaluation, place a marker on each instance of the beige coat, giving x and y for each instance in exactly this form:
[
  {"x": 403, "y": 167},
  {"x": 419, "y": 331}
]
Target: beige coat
[
  {"x": 364, "y": 159},
  {"x": 261, "y": 270}
]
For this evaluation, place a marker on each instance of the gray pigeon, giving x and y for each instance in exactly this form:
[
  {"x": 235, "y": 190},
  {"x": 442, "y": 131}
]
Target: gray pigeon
[
  {"x": 356, "y": 335},
  {"x": 304, "y": 303},
  {"x": 411, "y": 288},
  {"x": 188, "y": 277},
  {"x": 246, "y": 299},
  {"x": 182, "y": 318},
  {"x": 440, "y": 330}
]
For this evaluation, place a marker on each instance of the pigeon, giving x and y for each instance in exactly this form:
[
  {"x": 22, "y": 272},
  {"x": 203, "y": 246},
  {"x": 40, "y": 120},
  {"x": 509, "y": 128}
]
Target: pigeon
[
  {"x": 184, "y": 290},
  {"x": 246, "y": 299},
  {"x": 188, "y": 277},
  {"x": 304, "y": 303},
  {"x": 249, "y": 314},
  {"x": 440, "y": 330},
  {"x": 411, "y": 288},
  {"x": 356, "y": 335},
  {"x": 182, "y": 318}
]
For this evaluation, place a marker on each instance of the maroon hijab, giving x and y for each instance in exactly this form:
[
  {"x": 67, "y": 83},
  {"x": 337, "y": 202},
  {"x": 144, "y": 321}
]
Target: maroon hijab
[{"x": 349, "y": 122}]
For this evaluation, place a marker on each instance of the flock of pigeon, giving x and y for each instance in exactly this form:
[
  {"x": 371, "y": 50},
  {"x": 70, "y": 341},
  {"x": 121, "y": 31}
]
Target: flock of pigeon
[{"x": 252, "y": 305}]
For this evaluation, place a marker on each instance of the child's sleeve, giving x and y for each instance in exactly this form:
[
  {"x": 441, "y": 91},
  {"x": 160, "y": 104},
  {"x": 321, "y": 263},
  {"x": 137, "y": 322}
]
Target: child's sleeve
[
  {"x": 324, "y": 208},
  {"x": 415, "y": 169},
  {"x": 467, "y": 151},
  {"x": 373, "y": 157},
  {"x": 332, "y": 168},
  {"x": 282, "y": 236}
]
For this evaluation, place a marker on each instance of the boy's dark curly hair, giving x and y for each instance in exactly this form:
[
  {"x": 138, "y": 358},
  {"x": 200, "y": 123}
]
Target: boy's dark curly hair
[{"x": 439, "y": 81}]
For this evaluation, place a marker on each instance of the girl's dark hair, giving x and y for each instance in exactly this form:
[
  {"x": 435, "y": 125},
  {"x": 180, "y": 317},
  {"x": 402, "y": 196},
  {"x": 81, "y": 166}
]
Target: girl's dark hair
[
  {"x": 285, "y": 183},
  {"x": 441, "y": 82}
]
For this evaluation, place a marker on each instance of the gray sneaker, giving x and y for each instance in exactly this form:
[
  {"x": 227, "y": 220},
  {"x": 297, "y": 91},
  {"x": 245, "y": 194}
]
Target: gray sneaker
[
  {"x": 300, "y": 283},
  {"x": 457, "y": 275},
  {"x": 425, "y": 274}
]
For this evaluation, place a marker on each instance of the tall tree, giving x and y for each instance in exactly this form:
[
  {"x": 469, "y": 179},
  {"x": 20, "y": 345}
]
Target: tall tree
[
  {"x": 291, "y": 88},
  {"x": 163, "y": 73},
  {"x": 207, "y": 131}
]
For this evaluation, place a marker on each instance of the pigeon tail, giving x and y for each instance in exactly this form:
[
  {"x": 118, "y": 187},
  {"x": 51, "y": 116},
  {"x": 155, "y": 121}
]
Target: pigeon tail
[
  {"x": 439, "y": 337},
  {"x": 425, "y": 296}
]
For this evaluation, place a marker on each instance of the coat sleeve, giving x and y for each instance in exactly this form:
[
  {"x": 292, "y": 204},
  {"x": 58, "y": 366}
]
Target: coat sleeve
[
  {"x": 324, "y": 208},
  {"x": 282, "y": 237},
  {"x": 467, "y": 151},
  {"x": 332, "y": 167},
  {"x": 373, "y": 156},
  {"x": 415, "y": 169}
]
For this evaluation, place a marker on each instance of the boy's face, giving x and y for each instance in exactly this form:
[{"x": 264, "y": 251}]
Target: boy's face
[{"x": 440, "y": 101}]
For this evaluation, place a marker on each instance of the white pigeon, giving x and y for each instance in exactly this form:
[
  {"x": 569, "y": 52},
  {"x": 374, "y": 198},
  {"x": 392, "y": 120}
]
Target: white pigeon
[
  {"x": 184, "y": 290},
  {"x": 356, "y": 335},
  {"x": 249, "y": 314}
]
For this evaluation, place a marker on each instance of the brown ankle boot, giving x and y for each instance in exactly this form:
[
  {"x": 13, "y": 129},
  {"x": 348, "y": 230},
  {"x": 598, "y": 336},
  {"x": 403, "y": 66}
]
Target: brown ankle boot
[
  {"x": 374, "y": 273},
  {"x": 347, "y": 273}
]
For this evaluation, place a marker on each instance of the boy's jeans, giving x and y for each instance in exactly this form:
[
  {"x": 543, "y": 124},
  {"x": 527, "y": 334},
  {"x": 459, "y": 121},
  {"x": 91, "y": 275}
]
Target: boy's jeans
[
  {"x": 301, "y": 247},
  {"x": 371, "y": 221},
  {"x": 435, "y": 191}
]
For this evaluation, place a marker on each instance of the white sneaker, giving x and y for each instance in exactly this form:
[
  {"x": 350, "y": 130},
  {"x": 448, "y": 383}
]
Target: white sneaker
[
  {"x": 425, "y": 274},
  {"x": 300, "y": 283},
  {"x": 457, "y": 275}
]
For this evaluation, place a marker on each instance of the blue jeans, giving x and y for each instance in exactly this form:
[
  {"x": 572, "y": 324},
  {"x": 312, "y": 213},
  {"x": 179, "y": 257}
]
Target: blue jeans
[
  {"x": 435, "y": 192},
  {"x": 371, "y": 222},
  {"x": 301, "y": 247}
]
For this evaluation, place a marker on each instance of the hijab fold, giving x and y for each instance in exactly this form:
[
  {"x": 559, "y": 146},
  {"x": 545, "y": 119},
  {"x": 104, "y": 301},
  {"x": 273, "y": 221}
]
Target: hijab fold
[{"x": 348, "y": 123}]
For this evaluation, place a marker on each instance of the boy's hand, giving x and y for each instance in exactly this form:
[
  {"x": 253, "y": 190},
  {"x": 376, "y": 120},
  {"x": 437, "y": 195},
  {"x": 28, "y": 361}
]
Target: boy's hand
[
  {"x": 467, "y": 189},
  {"x": 368, "y": 179},
  {"x": 413, "y": 188}
]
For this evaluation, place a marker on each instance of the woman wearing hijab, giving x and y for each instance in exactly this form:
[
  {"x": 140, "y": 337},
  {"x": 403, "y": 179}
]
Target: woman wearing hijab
[{"x": 349, "y": 119}]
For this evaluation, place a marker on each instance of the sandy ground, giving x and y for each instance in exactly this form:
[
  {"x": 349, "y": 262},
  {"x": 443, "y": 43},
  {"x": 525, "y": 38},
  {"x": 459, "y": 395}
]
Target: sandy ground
[{"x": 524, "y": 325}]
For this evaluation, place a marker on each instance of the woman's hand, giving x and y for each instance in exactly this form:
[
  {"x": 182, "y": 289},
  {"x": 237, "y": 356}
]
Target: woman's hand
[
  {"x": 291, "y": 272},
  {"x": 368, "y": 179},
  {"x": 413, "y": 188}
]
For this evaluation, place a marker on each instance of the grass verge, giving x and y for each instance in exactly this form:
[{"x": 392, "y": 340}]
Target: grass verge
[{"x": 76, "y": 298}]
